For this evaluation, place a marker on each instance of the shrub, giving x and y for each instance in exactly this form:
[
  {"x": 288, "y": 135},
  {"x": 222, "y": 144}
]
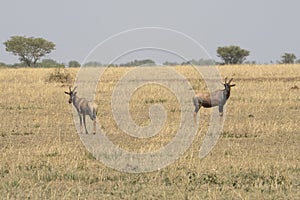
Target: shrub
[{"x": 60, "y": 75}]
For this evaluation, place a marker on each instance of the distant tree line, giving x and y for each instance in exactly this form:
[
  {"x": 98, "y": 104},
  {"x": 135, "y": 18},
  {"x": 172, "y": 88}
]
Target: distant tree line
[
  {"x": 200, "y": 62},
  {"x": 30, "y": 50},
  {"x": 149, "y": 62},
  {"x": 45, "y": 63},
  {"x": 145, "y": 62}
]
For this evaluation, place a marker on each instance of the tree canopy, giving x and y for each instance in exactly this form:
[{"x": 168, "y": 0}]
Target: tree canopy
[
  {"x": 74, "y": 63},
  {"x": 232, "y": 54},
  {"x": 29, "y": 49},
  {"x": 288, "y": 58}
]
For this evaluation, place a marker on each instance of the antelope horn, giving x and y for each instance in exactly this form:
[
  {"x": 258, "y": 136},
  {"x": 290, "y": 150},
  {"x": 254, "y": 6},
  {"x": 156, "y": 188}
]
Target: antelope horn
[
  {"x": 74, "y": 88},
  {"x": 230, "y": 80},
  {"x": 225, "y": 79},
  {"x": 70, "y": 89}
]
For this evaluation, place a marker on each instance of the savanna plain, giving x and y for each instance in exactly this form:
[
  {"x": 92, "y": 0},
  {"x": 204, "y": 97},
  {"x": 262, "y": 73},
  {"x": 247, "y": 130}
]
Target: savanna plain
[{"x": 257, "y": 155}]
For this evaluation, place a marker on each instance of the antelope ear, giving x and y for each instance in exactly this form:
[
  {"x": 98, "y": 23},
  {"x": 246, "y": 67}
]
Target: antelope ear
[
  {"x": 232, "y": 85},
  {"x": 67, "y": 93}
]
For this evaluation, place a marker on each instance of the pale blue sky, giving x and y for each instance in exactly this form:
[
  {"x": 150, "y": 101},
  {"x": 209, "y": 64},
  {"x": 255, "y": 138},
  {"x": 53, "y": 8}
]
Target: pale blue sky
[{"x": 266, "y": 28}]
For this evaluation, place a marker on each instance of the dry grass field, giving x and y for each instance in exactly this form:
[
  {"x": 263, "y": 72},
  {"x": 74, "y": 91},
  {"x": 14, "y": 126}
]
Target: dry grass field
[{"x": 256, "y": 157}]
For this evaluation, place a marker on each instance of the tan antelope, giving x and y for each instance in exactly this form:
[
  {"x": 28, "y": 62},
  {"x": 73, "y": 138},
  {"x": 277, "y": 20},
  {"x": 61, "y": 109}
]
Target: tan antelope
[
  {"x": 216, "y": 98},
  {"x": 83, "y": 107}
]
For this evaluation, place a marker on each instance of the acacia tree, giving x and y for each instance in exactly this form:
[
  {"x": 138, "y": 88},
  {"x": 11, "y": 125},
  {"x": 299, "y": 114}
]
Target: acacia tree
[
  {"x": 288, "y": 58},
  {"x": 29, "y": 49},
  {"x": 232, "y": 54}
]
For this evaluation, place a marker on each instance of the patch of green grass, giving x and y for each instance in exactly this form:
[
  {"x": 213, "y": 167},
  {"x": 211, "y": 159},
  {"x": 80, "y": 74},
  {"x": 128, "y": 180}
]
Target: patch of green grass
[
  {"x": 238, "y": 135},
  {"x": 152, "y": 101},
  {"x": 16, "y": 132},
  {"x": 255, "y": 180},
  {"x": 20, "y": 107},
  {"x": 53, "y": 154},
  {"x": 90, "y": 156},
  {"x": 173, "y": 110},
  {"x": 36, "y": 125},
  {"x": 3, "y": 134},
  {"x": 4, "y": 170},
  {"x": 9, "y": 185}
]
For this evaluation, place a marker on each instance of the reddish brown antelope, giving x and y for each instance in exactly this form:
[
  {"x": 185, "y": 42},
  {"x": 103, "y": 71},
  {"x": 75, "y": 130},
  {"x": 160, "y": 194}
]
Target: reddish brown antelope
[
  {"x": 83, "y": 107},
  {"x": 216, "y": 98}
]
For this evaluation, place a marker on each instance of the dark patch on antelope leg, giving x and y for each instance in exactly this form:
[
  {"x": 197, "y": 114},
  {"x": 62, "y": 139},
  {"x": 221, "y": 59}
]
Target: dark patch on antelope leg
[
  {"x": 221, "y": 110},
  {"x": 197, "y": 107},
  {"x": 80, "y": 120},
  {"x": 94, "y": 124},
  {"x": 196, "y": 104},
  {"x": 84, "y": 124}
]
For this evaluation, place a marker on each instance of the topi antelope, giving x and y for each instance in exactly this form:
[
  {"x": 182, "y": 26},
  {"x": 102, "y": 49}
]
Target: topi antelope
[
  {"x": 216, "y": 98},
  {"x": 83, "y": 107}
]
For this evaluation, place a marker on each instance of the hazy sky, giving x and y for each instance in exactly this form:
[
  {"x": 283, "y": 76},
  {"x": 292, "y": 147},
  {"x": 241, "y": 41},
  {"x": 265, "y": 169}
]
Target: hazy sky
[{"x": 267, "y": 28}]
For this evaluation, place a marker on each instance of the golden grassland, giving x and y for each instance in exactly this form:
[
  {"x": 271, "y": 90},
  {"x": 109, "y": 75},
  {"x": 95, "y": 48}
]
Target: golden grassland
[{"x": 257, "y": 155}]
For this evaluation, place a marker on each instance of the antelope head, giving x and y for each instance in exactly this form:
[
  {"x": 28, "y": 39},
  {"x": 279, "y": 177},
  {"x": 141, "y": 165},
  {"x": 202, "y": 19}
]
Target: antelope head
[
  {"x": 227, "y": 85},
  {"x": 71, "y": 93}
]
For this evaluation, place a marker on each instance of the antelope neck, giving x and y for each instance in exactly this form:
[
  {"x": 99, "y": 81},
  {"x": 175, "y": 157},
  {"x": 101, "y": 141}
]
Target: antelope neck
[{"x": 227, "y": 93}]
